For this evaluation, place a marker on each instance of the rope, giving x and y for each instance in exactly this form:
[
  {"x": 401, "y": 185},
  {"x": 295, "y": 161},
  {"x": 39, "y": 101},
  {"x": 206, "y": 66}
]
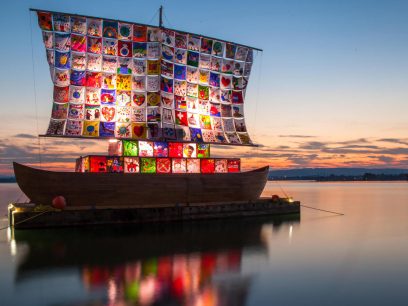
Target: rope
[
  {"x": 29, "y": 218},
  {"x": 154, "y": 16},
  {"x": 35, "y": 88},
  {"x": 333, "y": 212},
  {"x": 167, "y": 19},
  {"x": 283, "y": 191},
  {"x": 258, "y": 90}
]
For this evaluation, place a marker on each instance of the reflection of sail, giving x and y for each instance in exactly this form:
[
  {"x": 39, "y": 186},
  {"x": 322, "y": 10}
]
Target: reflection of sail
[
  {"x": 184, "y": 263},
  {"x": 117, "y": 79}
]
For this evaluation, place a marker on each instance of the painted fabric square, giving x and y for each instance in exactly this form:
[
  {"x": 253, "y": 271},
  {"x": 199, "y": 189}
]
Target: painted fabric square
[
  {"x": 139, "y": 130},
  {"x": 131, "y": 165},
  {"x": 193, "y": 165},
  {"x": 163, "y": 165},
  {"x": 115, "y": 147},
  {"x": 61, "y": 94},
  {"x": 221, "y": 166},
  {"x": 192, "y": 58},
  {"x": 107, "y": 129},
  {"x": 125, "y": 48},
  {"x": 234, "y": 165},
  {"x": 62, "y": 42},
  {"x": 180, "y": 40},
  {"x": 178, "y": 165},
  {"x": 146, "y": 148},
  {"x": 98, "y": 163},
  {"x": 139, "y": 49},
  {"x": 207, "y": 165},
  {"x": 59, "y": 110},
  {"x": 123, "y": 130},
  {"x": 203, "y": 150},
  {"x": 94, "y": 27},
  {"x": 175, "y": 149},
  {"x": 125, "y": 31},
  {"x": 76, "y": 111},
  {"x": 45, "y": 21},
  {"x": 110, "y": 29},
  {"x": 161, "y": 149},
  {"x": 196, "y": 135},
  {"x": 148, "y": 165},
  {"x": 73, "y": 128},
  {"x": 189, "y": 150},
  {"x": 56, "y": 127},
  {"x": 139, "y": 33},
  {"x": 130, "y": 148},
  {"x": 114, "y": 164},
  {"x": 91, "y": 129},
  {"x": 180, "y": 72},
  {"x": 167, "y": 53}
]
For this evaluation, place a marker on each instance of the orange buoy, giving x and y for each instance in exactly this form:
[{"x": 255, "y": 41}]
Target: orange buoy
[
  {"x": 59, "y": 202},
  {"x": 275, "y": 198}
]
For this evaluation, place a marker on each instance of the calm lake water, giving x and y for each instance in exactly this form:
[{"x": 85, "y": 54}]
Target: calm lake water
[{"x": 360, "y": 258}]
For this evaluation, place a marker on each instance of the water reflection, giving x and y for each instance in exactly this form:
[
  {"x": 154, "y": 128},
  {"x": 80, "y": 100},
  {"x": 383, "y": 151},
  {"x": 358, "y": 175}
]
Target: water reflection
[{"x": 198, "y": 263}]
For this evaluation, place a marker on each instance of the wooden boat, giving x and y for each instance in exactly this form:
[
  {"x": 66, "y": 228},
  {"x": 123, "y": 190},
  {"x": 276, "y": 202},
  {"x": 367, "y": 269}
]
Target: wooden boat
[
  {"x": 138, "y": 189},
  {"x": 152, "y": 117}
]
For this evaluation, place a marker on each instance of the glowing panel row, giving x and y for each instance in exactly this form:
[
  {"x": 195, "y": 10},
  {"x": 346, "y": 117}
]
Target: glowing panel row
[
  {"x": 158, "y": 149},
  {"x": 119, "y": 164}
]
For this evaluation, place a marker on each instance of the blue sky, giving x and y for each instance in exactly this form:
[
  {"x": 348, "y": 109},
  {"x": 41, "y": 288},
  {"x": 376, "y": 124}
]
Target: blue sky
[{"x": 332, "y": 74}]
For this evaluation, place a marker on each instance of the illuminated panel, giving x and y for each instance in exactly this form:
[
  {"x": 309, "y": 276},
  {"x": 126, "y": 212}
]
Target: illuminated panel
[
  {"x": 207, "y": 165},
  {"x": 130, "y": 148},
  {"x": 98, "y": 164},
  {"x": 190, "y": 150},
  {"x": 203, "y": 150},
  {"x": 193, "y": 165},
  {"x": 221, "y": 166},
  {"x": 114, "y": 164},
  {"x": 178, "y": 165},
  {"x": 132, "y": 165},
  {"x": 163, "y": 165},
  {"x": 175, "y": 149},
  {"x": 161, "y": 149},
  {"x": 148, "y": 165},
  {"x": 234, "y": 165},
  {"x": 146, "y": 148}
]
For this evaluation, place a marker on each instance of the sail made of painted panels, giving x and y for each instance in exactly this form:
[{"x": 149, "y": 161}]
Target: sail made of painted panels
[{"x": 117, "y": 79}]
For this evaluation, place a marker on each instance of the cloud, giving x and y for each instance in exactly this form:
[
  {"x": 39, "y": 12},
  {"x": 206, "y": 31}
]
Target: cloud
[
  {"x": 25, "y": 136},
  {"x": 296, "y": 136},
  {"x": 394, "y": 140},
  {"x": 313, "y": 145},
  {"x": 386, "y": 159}
]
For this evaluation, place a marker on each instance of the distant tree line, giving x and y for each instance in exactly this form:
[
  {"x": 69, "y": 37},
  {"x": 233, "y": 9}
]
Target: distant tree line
[{"x": 337, "y": 178}]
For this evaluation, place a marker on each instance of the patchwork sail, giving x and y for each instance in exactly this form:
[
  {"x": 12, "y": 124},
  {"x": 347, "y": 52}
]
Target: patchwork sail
[{"x": 124, "y": 80}]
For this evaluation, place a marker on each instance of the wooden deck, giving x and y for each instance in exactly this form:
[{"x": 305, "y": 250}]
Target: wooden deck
[{"x": 21, "y": 216}]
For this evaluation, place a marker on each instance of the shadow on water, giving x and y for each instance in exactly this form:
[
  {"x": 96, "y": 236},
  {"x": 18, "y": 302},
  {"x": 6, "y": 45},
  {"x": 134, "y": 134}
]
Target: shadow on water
[{"x": 175, "y": 263}]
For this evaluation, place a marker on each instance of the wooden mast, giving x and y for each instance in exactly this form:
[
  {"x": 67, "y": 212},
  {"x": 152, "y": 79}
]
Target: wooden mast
[{"x": 161, "y": 16}]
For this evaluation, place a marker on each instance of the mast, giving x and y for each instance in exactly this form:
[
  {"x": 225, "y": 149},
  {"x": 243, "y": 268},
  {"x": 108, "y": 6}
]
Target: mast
[{"x": 161, "y": 16}]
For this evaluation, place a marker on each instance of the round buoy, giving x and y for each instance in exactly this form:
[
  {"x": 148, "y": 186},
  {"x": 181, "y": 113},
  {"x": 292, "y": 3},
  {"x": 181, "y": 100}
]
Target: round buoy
[
  {"x": 275, "y": 198},
  {"x": 59, "y": 202}
]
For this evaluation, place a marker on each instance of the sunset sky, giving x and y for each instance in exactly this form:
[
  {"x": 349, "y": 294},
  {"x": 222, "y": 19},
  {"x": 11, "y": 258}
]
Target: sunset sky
[{"x": 329, "y": 90}]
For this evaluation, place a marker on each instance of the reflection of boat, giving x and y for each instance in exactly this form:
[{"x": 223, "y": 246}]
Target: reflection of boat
[
  {"x": 64, "y": 248},
  {"x": 186, "y": 263},
  {"x": 115, "y": 189}
]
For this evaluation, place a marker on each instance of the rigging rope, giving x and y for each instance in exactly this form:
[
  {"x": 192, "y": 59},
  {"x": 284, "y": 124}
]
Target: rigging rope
[
  {"x": 154, "y": 16},
  {"x": 35, "y": 88}
]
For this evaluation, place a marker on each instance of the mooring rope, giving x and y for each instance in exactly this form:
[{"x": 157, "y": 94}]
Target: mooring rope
[
  {"x": 29, "y": 218},
  {"x": 333, "y": 212}
]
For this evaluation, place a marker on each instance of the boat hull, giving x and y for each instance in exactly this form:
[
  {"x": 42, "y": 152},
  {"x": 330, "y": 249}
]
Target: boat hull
[{"x": 138, "y": 190}]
